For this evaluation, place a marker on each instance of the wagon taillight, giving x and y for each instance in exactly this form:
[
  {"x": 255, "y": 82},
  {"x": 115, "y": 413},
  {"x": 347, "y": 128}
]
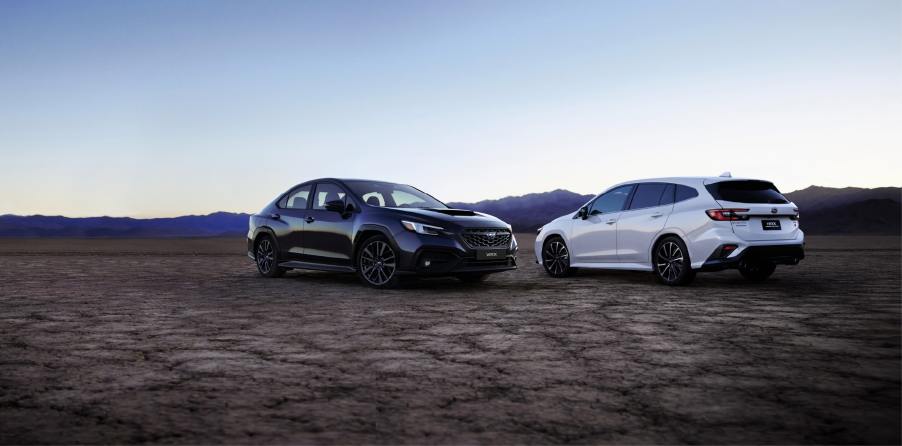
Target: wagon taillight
[{"x": 727, "y": 214}]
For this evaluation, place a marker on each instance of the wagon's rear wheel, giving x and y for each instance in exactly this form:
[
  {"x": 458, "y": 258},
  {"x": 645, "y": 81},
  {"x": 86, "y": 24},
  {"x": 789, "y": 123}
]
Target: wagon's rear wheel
[{"x": 671, "y": 262}]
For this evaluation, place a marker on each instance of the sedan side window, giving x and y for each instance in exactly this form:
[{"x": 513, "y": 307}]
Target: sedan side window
[
  {"x": 611, "y": 201},
  {"x": 326, "y": 192},
  {"x": 297, "y": 199}
]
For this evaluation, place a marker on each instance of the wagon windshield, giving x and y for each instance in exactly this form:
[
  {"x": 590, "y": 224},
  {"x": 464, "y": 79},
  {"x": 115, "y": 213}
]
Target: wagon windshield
[{"x": 380, "y": 194}]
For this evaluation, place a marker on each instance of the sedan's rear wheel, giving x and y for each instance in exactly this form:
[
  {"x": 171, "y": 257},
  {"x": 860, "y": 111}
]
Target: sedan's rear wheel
[
  {"x": 671, "y": 262},
  {"x": 377, "y": 263},
  {"x": 556, "y": 258},
  {"x": 267, "y": 258}
]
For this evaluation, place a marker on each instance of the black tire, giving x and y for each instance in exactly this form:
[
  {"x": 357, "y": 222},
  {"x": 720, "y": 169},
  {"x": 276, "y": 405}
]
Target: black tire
[
  {"x": 266, "y": 256},
  {"x": 472, "y": 277},
  {"x": 377, "y": 263},
  {"x": 756, "y": 271},
  {"x": 670, "y": 261},
  {"x": 556, "y": 257}
]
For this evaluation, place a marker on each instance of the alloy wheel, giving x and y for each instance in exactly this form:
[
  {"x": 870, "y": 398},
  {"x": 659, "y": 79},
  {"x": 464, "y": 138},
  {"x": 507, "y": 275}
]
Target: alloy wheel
[
  {"x": 669, "y": 261},
  {"x": 377, "y": 263},
  {"x": 556, "y": 258},
  {"x": 265, "y": 256}
]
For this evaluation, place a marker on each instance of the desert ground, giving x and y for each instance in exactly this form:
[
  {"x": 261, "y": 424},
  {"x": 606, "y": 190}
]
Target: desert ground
[{"x": 179, "y": 341}]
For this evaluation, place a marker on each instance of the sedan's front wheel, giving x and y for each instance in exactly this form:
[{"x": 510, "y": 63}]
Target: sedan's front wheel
[{"x": 377, "y": 263}]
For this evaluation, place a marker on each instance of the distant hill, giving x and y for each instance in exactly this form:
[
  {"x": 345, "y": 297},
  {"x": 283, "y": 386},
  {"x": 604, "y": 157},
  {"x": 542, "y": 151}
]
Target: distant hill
[
  {"x": 529, "y": 212},
  {"x": 212, "y": 225},
  {"x": 824, "y": 210},
  {"x": 873, "y": 217},
  {"x": 815, "y": 198},
  {"x": 849, "y": 210}
]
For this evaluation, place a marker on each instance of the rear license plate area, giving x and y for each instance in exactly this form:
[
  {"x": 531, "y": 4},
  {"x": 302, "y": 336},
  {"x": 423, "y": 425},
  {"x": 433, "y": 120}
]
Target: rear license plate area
[
  {"x": 491, "y": 254},
  {"x": 770, "y": 225}
]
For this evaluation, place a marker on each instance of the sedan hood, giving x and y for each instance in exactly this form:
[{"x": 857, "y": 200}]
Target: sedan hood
[{"x": 460, "y": 217}]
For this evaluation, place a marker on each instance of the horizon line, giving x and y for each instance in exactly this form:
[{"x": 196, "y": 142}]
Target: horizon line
[{"x": 207, "y": 214}]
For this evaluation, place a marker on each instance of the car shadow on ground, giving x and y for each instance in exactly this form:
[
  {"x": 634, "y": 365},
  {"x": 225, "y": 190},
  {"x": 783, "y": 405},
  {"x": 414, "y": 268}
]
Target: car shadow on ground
[{"x": 525, "y": 280}]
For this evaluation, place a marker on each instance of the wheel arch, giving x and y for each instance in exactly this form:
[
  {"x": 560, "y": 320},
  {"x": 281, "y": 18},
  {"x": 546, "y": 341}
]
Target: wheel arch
[
  {"x": 366, "y": 231},
  {"x": 551, "y": 234},
  {"x": 666, "y": 233},
  {"x": 265, "y": 230}
]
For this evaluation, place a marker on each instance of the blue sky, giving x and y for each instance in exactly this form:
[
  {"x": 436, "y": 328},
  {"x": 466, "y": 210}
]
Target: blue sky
[{"x": 163, "y": 108}]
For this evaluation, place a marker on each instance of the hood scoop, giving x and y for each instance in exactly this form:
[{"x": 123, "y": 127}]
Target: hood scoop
[{"x": 455, "y": 212}]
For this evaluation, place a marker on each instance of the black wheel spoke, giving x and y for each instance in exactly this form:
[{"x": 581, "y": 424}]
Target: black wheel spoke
[
  {"x": 556, "y": 259},
  {"x": 265, "y": 256},
  {"x": 377, "y": 262},
  {"x": 670, "y": 261}
]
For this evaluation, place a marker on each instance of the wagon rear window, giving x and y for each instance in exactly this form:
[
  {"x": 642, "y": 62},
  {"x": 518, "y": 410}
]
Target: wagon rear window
[{"x": 746, "y": 192}]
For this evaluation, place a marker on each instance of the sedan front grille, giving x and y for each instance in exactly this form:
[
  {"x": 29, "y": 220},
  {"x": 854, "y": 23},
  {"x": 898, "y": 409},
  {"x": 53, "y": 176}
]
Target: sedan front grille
[{"x": 487, "y": 238}]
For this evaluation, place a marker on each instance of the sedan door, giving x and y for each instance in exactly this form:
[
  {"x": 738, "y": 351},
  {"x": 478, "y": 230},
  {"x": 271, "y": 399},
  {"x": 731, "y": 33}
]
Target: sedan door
[
  {"x": 328, "y": 235},
  {"x": 593, "y": 239},
  {"x": 289, "y": 226},
  {"x": 645, "y": 217}
]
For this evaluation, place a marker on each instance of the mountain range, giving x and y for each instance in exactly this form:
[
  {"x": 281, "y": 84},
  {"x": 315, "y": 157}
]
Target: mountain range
[
  {"x": 824, "y": 210},
  {"x": 212, "y": 225}
]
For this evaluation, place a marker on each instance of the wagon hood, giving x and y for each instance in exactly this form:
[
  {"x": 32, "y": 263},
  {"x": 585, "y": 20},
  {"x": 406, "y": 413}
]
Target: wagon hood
[{"x": 461, "y": 217}]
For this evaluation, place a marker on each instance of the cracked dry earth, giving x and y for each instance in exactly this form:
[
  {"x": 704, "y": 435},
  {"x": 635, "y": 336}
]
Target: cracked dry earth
[{"x": 179, "y": 341}]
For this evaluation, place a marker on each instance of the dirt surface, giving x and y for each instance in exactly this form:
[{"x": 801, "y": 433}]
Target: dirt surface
[{"x": 179, "y": 341}]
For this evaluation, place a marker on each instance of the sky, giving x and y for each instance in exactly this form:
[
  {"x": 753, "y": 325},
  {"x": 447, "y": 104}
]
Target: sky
[{"x": 164, "y": 108}]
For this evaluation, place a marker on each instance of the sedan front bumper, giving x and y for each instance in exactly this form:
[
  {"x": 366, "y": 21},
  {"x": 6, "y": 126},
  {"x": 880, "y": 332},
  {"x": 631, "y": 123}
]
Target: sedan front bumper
[{"x": 432, "y": 255}]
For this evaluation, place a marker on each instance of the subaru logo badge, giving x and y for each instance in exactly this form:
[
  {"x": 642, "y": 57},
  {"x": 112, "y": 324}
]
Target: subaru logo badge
[
  {"x": 773, "y": 210},
  {"x": 491, "y": 234}
]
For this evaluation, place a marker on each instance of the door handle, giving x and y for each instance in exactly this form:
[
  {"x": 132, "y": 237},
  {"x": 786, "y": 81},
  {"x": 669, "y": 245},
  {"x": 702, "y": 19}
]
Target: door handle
[
  {"x": 275, "y": 216},
  {"x": 611, "y": 221},
  {"x": 310, "y": 219},
  {"x": 656, "y": 215}
]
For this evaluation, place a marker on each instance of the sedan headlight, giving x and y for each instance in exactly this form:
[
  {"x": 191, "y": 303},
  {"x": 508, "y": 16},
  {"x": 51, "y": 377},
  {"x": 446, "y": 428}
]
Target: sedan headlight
[
  {"x": 539, "y": 231},
  {"x": 420, "y": 228}
]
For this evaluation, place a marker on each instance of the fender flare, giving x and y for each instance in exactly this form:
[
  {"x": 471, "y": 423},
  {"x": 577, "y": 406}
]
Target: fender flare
[
  {"x": 377, "y": 228},
  {"x": 267, "y": 230},
  {"x": 664, "y": 233},
  {"x": 551, "y": 233}
]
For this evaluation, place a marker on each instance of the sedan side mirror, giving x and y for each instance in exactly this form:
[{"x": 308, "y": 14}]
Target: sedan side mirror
[
  {"x": 582, "y": 213},
  {"x": 335, "y": 206}
]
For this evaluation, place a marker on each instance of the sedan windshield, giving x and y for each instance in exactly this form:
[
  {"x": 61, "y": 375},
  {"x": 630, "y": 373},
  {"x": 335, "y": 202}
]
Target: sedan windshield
[{"x": 379, "y": 194}]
